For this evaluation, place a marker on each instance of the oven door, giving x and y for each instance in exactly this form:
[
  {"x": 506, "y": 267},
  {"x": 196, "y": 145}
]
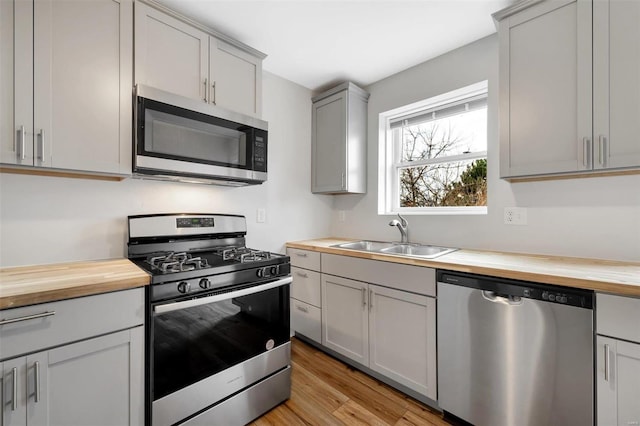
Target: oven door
[{"x": 207, "y": 348}]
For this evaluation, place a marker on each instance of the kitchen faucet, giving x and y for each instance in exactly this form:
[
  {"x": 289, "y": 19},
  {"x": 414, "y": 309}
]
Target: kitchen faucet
[{"x": 403, "y": 226}]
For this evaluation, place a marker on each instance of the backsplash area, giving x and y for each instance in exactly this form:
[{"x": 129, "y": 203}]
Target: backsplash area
[{"x": 51, "y": 219}]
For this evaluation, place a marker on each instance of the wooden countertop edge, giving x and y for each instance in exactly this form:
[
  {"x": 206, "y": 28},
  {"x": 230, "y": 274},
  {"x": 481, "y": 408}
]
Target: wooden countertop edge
[
  {"x": 568, "y": 280},
  {"x": 36, "y": 297},
  {"x": 29, "y": 285}
]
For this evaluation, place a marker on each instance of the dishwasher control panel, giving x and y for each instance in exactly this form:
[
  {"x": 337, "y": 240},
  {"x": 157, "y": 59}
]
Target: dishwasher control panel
[{"x": 500, "y": 287}]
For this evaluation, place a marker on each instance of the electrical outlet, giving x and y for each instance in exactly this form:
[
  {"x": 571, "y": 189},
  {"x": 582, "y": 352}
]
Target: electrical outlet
[
  {"x": 515, "y": 216},
  {"x": 261, "y": 215}
]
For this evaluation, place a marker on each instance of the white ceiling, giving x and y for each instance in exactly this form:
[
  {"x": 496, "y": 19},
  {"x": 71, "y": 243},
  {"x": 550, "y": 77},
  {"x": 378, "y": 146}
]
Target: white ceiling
[{"x": 319, "y": 43}]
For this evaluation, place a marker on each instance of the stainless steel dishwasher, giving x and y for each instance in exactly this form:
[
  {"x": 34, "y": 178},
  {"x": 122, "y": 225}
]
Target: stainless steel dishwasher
[{"x": 514, "y": 353}]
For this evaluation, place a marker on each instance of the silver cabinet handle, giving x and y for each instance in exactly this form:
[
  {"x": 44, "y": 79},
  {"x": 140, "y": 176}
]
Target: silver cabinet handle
[
  {"x": 364, "y": 297},
  {"x": 19, "y": 148},
  {"x": 36, "y": 367},
  {"x": 342, "y": 184},
  {"x": 14, "y": 391},
  {"x": 586, "y": 147},
  {"x": 40, "y": 154},
  {"x": 27, "y": 318},
  {"x": 370, "y": 300},
  {"x": 602, "y": 143},
  {"x": 205, "y": 90},
  {"x": 301, "y": 254},
  {"x": 607, "y": 362},
  {"x": 213, "y": 86},
  {"x": 302, "y": 275},
  {"x": 302, "y": 308}
]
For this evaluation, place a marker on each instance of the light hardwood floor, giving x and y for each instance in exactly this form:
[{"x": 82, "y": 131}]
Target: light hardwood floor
[{"x": 325, "y": 391}]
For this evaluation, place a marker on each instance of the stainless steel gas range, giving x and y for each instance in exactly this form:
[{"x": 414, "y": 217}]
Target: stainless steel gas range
[{"x": 218, "y": 346}]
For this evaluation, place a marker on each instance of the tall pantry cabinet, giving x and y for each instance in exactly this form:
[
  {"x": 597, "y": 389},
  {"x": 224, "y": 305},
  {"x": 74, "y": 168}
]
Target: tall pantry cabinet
[{"x": 65, "y": 80}]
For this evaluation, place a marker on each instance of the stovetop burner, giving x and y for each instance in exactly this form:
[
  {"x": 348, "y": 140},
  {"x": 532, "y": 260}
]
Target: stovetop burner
[
  {"x": 245, "y": 255},
  {"x": 177, "y": 262}
]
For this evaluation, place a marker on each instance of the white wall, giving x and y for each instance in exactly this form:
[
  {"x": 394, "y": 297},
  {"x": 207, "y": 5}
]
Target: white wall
[
  {"x": 47, "y": 220},
  {"x": 595, "y": 217}
]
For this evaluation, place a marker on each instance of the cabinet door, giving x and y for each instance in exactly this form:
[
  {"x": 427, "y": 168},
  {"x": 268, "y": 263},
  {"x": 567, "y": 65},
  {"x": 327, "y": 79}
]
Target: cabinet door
[
  {"x": 16, "y": 82},
  {"x": 93, "y": 382},
  {"x": 329, "y": 144},
  {"x": 170, "y": 54},
  {"x": 545, "y": 89},
  {"x": 236, "y": 78},
  {"x": 345, "y": 324},
  {"x": 82, "y": 84},
  {"x": 402, "y": 338},
  {"x": 13, "y": 392},
  {"x": 618, "y": 375},
  {"x": 616, "y": 67}
]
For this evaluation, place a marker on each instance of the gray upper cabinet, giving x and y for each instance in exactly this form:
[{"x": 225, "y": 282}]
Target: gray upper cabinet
[
  {"x": 339, "y": 138},
  {"x": 66, "y": 85},
  {"x": 616, "y": 68},
  {"x": 565, "y": 98},
  {"x": 182, "y": 57}
]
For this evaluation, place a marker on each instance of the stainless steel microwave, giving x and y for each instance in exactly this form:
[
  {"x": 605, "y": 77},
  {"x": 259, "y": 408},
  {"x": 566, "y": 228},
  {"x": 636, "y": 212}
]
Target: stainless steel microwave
[{"x": 182, "y": 139}]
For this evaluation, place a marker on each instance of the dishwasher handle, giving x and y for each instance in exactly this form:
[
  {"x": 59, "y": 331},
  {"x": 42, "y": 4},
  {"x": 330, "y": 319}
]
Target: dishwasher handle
[{"x": 494, "y": 297}]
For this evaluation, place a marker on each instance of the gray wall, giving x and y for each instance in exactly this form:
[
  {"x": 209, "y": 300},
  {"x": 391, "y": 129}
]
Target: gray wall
[
  {"x": 47, "y": 220},
  {"x": 594, "y": 217}
]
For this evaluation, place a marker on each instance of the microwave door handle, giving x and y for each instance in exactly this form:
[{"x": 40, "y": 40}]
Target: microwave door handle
[{"x": 170, "y": 307}]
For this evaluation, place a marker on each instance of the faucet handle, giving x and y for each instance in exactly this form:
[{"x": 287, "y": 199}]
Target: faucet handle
[{"x": 403, "y": 221}]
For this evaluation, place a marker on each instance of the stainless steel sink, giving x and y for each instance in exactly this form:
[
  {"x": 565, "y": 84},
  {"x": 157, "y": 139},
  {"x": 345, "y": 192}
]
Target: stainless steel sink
[
  {"x": 412, "y": 250},
  {"x": 375, "y": 246},
  {"x": 427, "y": 252}
]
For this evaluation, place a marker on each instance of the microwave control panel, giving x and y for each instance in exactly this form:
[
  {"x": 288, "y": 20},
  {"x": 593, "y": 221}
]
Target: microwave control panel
[{"x": 260, "y": 151}]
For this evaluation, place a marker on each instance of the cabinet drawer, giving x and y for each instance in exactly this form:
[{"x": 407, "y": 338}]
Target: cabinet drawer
[
  {"x": 74, "y": 319},
  {"x": 618, "y": 316},
  {"x": 306, "y": 320},
  {"x": 306, "y": 286},
  {"x": 411, "y": 278},
  {"x": 304, "y": 259}
]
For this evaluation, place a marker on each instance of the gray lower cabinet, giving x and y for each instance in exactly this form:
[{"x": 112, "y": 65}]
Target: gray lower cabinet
[
  {"x": 306, "y": 306},
  {"x": 98, "y": 380},
  {"x": 618, "y": 382},
  {"x": 382, "y": 315},
  {"x": 618, "y": 360}
]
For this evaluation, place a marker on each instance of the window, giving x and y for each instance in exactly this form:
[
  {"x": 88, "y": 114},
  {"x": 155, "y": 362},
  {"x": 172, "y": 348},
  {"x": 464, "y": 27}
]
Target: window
[{"x": 433, "y": 155}]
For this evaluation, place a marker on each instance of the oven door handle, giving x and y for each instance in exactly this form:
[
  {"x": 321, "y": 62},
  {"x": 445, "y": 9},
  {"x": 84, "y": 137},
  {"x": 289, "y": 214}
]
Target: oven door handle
[{"x": 169, "y": 307}]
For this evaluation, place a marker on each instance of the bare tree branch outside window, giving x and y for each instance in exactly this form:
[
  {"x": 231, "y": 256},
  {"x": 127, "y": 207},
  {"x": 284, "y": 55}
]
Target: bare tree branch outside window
[{"x": 446, "y": 183}]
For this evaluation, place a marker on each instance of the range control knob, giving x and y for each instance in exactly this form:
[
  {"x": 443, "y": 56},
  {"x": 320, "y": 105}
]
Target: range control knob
[
  {"x": 184, "y": 287},
  {"x": 260, "y": 272},
  {"x": 552, "y": 298},
  {"x": 563, "y": 299},
  {"x": 205, "y": 283},
  {"x": 545, "y": 295},
  {"x": 274, "y": 270}
]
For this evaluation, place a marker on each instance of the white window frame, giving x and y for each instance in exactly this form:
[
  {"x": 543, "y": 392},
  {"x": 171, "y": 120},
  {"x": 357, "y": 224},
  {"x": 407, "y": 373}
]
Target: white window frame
[{"x": 388, "y": 170}]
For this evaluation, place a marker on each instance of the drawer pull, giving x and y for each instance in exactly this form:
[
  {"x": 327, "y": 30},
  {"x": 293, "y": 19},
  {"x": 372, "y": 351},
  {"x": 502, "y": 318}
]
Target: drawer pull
[
  {"x": 302, "y": 308},
  {"x": 27, "y": 318},
  {"x": 302, "y": 275},
  {"x": 301, "y": 254}
]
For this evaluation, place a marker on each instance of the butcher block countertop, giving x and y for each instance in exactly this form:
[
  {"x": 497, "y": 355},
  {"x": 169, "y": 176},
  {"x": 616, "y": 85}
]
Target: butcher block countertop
[
  {"x": 28, "y": 285},
  {"x": 621, "y": 278}
]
